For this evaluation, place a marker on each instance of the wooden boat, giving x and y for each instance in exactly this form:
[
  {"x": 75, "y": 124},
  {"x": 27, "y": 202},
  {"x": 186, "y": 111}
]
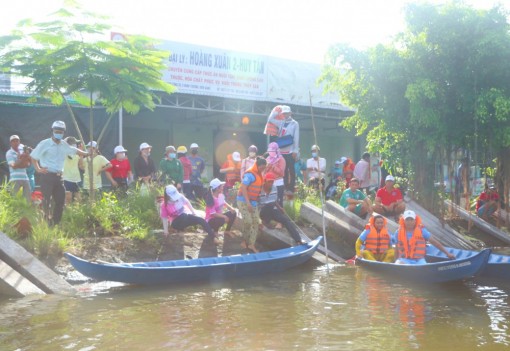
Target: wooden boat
[
  {"x": 436, "y": 272},
  {"x": 498, "y": 266},
  {"x": 210, "y": 269}
]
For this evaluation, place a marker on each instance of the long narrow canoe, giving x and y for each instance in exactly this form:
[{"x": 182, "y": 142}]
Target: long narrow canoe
[
  {"x": 437, "y": 272},
  {"x": 498, "y": 266},
  {"x": 210, "y": 269}
]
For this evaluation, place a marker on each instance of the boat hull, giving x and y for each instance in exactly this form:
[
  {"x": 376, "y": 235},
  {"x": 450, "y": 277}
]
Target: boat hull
[
  {"x": 212, "y": 269},
  {"x": 437, "y": 272},
  {"x": 498, "y": 266}
]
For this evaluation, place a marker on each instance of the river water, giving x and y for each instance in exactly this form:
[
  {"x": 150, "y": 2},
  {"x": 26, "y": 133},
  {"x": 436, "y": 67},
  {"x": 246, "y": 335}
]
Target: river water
[{"x": 308, "y": 308}]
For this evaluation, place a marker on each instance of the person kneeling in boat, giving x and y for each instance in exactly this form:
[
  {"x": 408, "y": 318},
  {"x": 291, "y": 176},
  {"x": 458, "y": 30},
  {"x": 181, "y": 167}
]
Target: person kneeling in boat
[
  {"x": 178, "y": 211},
  {"x": 374, "y": 243},
  {"x": 411, "y": 238},
  {"x": 270, "y": 209},
  {"x": 487, "y": 203}
]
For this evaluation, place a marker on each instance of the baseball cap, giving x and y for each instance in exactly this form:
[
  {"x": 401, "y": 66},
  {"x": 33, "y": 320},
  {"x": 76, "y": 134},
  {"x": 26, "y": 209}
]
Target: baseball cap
[
  {"x": 286, "y": 109},
  {"x": 343, "y": 159},
  {"x": 215, "y": 183},
  {"x": 409, "y": 214},
  {"x": 119, "y": 148},
  {"x": 171, "y": 191},
  {"x": 182, "y": 149},
  {"x": 13, "y": 137},
  {"x": 253, "y": 148},
  {"x": 193, "y": 146},
  {"x": 92, "y": 144},
  {"x": 315, "y": 147},
  {"x": 72, "y": 140},
  {"x": 236, "y": 156},
  {"x": 169, "y": 147},
  {"x": 390, "y": 178},
  {"x": 144, "y": 146},
  {"x": 58, "y": 125},
  {"x": 273, "y": 147}
]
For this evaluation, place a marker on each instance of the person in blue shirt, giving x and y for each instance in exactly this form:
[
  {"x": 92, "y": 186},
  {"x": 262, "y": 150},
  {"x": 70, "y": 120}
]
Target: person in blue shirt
[
  {"x": 197, "y": 168},
  {"x": 48, "y": 159},
  {"x": 411, "y": 239},
  {"x": 247, "y": 201}
]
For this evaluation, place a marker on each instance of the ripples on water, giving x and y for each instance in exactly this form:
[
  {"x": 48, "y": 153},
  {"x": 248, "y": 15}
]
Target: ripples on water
[{"x": 345, "y": 308}]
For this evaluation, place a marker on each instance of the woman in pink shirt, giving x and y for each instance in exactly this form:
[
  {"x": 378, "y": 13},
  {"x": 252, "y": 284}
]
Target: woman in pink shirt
[
  {"x": 178, "y": 211},
  {"x": 276, "y": 167},
  {"x": 215, "y": 202}
]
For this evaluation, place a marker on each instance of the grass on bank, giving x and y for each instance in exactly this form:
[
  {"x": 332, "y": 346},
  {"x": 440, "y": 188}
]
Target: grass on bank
[{"x": 134, "y": 216}]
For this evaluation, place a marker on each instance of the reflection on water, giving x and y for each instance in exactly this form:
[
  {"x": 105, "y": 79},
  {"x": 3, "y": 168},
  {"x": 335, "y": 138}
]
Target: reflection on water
[{"x": 345, "y": 308}]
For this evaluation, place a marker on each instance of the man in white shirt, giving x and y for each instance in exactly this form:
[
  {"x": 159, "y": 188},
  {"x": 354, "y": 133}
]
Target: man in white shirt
[
  {"x": 362, "y": 172},
  {"x": 315, "y": 168}
]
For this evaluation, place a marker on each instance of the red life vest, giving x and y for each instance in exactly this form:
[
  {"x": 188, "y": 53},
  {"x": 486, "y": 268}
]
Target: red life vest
[
  {"x": 377, "y": 242},
  {"x": 254, "y": 188},
  {"x": 416, "y": 247}
]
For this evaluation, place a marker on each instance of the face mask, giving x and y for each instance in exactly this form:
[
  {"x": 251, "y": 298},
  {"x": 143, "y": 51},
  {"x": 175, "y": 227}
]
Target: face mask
[
  {"x": 314, "y": 154},
  {"x": 146, "y": 153},
  {"x": 272, "y": 153},
  {"x": 194, "y": 152},
  {"x": 58, "y": 136},
  {"x": 252, "y": 154},
  {"x": 121, "y": 155},
  {"x": 172, "y": 155}
]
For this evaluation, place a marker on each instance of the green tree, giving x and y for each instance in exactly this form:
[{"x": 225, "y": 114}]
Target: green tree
[
  {"x": 68, "y": 56},
  {"x": 441, "y": 85}
]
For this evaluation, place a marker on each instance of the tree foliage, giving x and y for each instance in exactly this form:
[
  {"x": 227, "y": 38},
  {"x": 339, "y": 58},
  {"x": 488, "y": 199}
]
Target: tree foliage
[
  {"x": 442, "y": 84},
  {"x": 67, "y": 56}
]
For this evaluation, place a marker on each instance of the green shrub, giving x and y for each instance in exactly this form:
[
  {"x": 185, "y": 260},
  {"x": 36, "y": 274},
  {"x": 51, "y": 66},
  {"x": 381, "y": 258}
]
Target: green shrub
[{"x": 45, "y": 240}]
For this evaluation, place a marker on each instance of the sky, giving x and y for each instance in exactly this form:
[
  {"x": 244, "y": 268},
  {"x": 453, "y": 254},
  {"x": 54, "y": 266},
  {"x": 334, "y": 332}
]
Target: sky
[{"x": 300, "y": 30}]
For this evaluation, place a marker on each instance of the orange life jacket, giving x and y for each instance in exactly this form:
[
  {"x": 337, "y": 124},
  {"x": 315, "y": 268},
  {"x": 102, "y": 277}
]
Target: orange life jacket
[
  {"x": 416, "y": 247},
  {"x": 255, "y": 187},
  {"x": 232, "y": 176},
  {"x": 377, "y": 242}
]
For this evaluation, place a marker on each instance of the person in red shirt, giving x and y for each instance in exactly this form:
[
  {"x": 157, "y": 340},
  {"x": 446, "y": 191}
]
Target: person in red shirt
[
  {"x": 187, "y": 168},
  {"x": 348, "y": 170},
  {"x": 389, "y": 200},
  {"x": 487, "y": 203},
  {"x": 120, "y": 172}
]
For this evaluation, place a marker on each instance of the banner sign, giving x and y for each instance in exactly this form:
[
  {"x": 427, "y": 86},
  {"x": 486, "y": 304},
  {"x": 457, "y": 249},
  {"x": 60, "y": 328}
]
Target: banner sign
[{"x": 209, "y": 71}]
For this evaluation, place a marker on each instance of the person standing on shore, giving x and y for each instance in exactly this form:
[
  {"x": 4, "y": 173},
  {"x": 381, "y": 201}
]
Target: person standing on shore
[
  {"x": 144, "y": 166},
  {"x": 71, "y": 175},
  {"x": 197, "y": 168},
  {"x": 48, "y": 159},
  {"x": 18, "y": 163},
  {"x": 290, "y": 129},
  {"x": 120, "y": 173},
  {"x": 247, "y": 201}
]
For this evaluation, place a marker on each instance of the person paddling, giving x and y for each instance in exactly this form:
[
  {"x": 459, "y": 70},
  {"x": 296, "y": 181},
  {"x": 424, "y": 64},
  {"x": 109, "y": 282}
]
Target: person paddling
[{"x": 411, "y": 238}]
